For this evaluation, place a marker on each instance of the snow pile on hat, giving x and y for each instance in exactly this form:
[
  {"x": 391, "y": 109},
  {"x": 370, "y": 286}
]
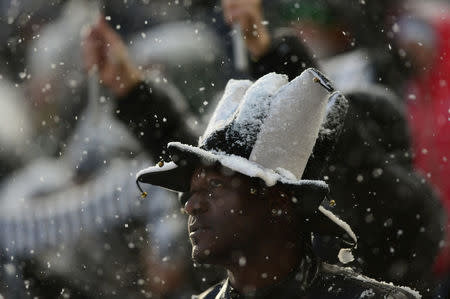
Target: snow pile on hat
[{"x": 278, "y": 131}]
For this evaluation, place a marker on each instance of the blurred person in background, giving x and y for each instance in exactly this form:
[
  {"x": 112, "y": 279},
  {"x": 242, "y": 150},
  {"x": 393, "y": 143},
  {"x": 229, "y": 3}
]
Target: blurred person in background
[
  {"x": 68, "y": 236},
  {"x": 402, "y": 44},
  {"x": 424, "y": 39},
  {"x": 105, "y": 49},
  {"x": 366, "y": 56},
  {"x": 18, "y": 129},
  {"x": 16, "y": 132}
]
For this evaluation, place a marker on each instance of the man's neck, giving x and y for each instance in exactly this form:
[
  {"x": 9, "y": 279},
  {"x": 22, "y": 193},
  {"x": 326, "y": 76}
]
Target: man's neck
[{"x": 269, "y": 265}]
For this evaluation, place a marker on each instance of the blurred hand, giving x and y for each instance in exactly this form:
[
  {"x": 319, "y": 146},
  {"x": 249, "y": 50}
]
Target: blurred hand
[
  {"x": 249, "y": 15},
  {"x": 104, "y": 49}
]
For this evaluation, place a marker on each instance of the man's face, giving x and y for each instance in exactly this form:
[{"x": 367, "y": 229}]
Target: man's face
[{"x": 225, "y": 217}]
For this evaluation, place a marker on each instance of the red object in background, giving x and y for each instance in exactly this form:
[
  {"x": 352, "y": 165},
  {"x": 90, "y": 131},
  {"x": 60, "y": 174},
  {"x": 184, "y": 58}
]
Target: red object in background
[{"x": 428, "y": 101}]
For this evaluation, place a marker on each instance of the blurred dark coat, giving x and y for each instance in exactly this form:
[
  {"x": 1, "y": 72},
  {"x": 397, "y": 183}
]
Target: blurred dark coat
[{"x": 394, "y": 211}]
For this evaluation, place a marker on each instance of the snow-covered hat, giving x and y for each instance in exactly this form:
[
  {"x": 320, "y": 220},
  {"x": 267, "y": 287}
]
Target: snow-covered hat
[{"x": 278, "y": 131}]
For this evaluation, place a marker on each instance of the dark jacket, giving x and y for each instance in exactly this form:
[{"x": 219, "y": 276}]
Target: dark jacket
[
  {"x": 315, "y": 280},
  {"x": 156, "y": 115}
]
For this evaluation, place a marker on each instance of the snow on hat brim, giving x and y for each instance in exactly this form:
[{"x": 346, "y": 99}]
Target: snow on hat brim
[{"x": 176, "y": 175}]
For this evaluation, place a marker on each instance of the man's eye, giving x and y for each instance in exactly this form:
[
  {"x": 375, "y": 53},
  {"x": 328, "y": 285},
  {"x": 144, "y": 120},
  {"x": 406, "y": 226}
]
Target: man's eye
[{"x": 215, "y": 183}]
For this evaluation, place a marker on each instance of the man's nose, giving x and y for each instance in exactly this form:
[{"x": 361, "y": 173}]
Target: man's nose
[{"x": 196, "y": 204}]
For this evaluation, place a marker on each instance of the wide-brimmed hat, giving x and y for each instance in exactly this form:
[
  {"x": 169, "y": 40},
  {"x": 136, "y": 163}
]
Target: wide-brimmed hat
[{"x": 277, "y": 131}]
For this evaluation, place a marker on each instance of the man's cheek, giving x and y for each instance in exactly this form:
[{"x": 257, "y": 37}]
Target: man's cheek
[
  {"x": 235, "y": 212},
  {"x": 220, "y": 203}
]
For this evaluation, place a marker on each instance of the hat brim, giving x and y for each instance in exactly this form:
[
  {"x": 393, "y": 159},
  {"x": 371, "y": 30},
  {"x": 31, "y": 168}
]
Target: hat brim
[{"x": 176, "y": 176}]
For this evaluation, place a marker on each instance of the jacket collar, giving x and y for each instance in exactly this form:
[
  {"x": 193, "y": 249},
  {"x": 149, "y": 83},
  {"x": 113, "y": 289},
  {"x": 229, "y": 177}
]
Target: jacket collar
[{"x": 297, "y": 282}]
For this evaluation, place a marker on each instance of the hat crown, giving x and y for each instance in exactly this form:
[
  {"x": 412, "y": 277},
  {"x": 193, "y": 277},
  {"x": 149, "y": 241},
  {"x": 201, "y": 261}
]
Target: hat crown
[
  {"x": 240, "y": 114},
  {"x": 272, "y": 122}
]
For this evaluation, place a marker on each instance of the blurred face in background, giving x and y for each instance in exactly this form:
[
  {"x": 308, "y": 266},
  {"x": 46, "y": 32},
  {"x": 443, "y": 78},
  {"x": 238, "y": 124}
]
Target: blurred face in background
[{"x": 416, "y": 41}]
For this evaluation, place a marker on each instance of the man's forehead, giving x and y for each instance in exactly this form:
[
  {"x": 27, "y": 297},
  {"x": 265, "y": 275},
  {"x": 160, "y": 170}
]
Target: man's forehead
[{"x": 213, "y": 170}]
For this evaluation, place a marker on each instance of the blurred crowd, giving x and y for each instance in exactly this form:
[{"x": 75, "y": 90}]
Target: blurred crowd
[{"x": 72, "y": 222}]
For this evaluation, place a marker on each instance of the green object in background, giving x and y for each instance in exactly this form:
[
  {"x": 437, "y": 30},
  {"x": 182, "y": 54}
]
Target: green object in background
[{"x": 301, "y": 10}]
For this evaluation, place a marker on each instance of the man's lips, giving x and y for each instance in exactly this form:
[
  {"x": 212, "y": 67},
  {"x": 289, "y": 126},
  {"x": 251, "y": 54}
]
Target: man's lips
[
  {"x": 197, "y": 227},
  {"x": 198, "y": 230}
]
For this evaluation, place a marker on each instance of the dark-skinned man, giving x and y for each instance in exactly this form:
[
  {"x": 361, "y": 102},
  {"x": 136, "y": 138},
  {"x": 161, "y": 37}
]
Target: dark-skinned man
[{"x": 252, "y": 195}]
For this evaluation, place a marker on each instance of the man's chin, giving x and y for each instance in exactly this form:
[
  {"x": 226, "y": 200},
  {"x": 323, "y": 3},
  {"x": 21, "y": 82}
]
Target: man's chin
[{"x": 201, "y": 255}]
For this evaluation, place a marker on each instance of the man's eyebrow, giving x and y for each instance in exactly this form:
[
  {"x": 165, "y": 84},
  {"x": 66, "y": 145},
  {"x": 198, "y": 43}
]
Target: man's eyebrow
[{"x": 196, "y": 175}]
